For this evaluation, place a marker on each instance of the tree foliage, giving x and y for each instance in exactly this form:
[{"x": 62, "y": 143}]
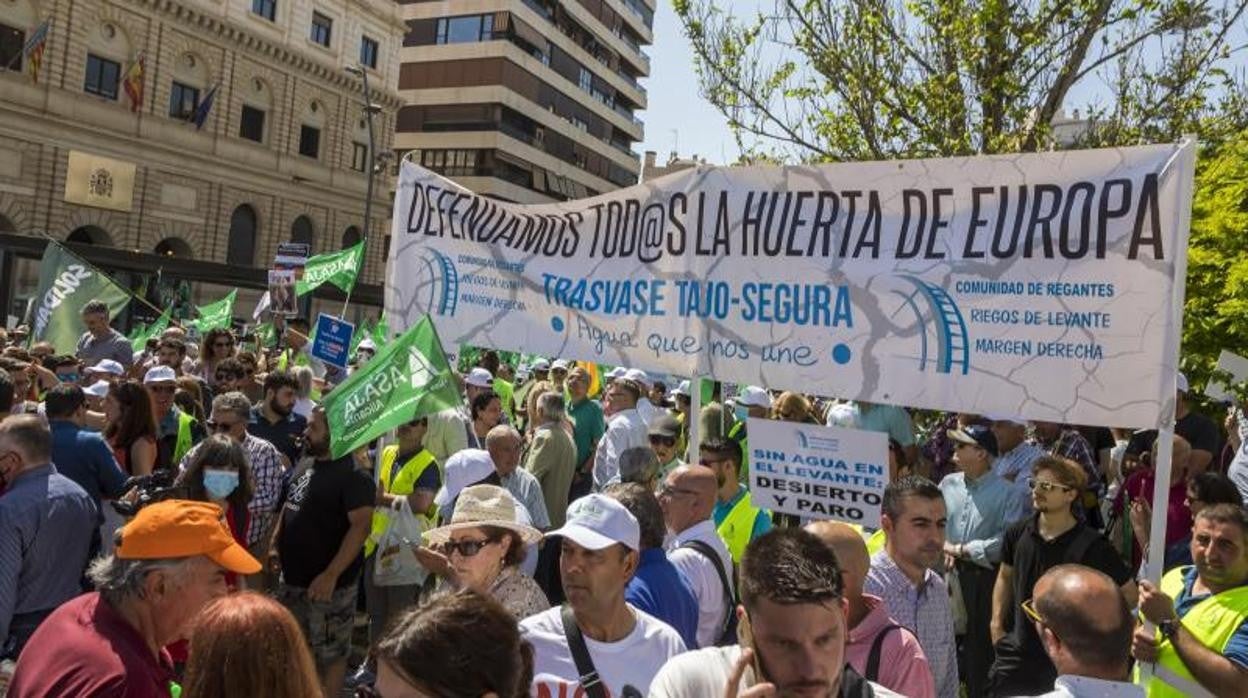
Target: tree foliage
[{"x": 826, "y": 80}]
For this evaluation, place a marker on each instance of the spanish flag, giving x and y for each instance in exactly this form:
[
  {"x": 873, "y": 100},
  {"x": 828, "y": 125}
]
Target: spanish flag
[
  {"x": 134, "y": 82},
  {"x": 595, "y": 376},
  {"x": 33, "y": 49}
]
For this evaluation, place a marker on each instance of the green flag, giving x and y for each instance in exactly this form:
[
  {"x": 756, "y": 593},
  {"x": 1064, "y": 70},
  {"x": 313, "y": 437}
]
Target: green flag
[
  {"x": 266, "y": 335},
  {"x": 409, "y": 378},
  {"x": 138, "y": 338},
  {"x": 66, "y": 283},
  {"x": 381, "y": 330},
  {"x": 214, "y": 315},
  {"x": 365, "y": 330},
  {"x": 338, "y": 268}
]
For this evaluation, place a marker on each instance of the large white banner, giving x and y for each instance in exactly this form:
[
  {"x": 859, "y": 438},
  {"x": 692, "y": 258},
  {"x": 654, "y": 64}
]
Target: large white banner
[{"x": 1043, "y": 285}]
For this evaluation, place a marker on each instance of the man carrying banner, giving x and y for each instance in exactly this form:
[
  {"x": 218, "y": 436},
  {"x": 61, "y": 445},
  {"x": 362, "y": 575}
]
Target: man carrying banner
[{"x": 101, "y": 341}]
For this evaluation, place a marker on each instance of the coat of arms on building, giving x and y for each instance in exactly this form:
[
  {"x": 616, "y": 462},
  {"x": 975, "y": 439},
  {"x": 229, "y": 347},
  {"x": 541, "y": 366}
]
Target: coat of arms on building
[{"x": 101, "y": 183}]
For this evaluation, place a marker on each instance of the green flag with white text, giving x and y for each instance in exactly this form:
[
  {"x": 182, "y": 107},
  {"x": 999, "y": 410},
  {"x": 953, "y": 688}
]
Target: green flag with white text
[
  {"x": 409, "y": 378},
  {"x": 338, "y": 268},
  {"x": 214, "y": 315},
  {"x": 66, "y": 283}
]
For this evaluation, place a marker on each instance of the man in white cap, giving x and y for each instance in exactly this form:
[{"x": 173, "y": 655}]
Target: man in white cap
[
  {"x": 176, "y": 430},
  {"x": 558, "y": 373},
  {"x": 752, "y": 402},
  {"x": 645, "y": 408},
  {"x": 365, "y": 351},
  {"x": 105, "y": 370},
  {"x": 96, "y": 392},
  {"x": 598, "y": 637},
  {"x": 626, "y": 429}
]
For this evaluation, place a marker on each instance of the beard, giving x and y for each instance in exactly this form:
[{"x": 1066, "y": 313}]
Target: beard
[{"x": 279, "y": 409}]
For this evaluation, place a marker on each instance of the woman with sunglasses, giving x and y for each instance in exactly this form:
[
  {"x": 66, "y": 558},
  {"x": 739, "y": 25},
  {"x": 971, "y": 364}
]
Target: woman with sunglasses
[
  {"x": 217, "y": 345},
  {"x": 130, "y": 427},
  {"x": 462, "y": 645},
  {"x": 482, "y": 548}
]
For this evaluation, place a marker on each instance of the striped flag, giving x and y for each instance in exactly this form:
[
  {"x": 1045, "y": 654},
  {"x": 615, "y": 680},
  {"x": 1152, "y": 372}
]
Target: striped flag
[
  {"x": 134, "y": 82},
  {"x": 33, "y": 50},
  {"x": 201, "y": 112}
]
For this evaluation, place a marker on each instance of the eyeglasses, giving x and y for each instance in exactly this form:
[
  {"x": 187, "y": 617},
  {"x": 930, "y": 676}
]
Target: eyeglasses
[
  {"x": 1030, "y": 609},
  {"x": 666, "y": 491},
  {"x": 466, "y": 548},
  {"x": 217, "y": 427},
  {"x": 1046, "y": 486},
  {"x": 664, "y": 440}
]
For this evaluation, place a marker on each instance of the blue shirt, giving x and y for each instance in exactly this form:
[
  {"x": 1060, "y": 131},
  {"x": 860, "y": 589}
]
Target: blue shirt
[
  {"x": 658, "y": 588},
  {"x": 1237, "y": 646},
  {"x": 46, "y": 522},
  {"x": 762, "y": 522},
  {"x": 84, "y": 457},
  {"x": 978, "y": 513}
]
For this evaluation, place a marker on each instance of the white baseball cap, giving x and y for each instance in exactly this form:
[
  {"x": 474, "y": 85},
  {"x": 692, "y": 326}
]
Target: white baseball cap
[
  {"x": 559, "y": 365},
  {"x": 467, "y": 467},
  {"x": 96, "y": 389},
  {"x": 540, "y": 365},
  {"x": 597, "y": 521},
  {"x": 617, "y": 372},
  {"x": 107, "y": 366},
  {"x": 753, "y": 396},
  {"x": 480, "y": 378},
  {"x": 159, "y": 374},
  {"x": 367, "y": 343},
  {"x": 682, "y": 389},
  {"x": 637, "y": 376}
]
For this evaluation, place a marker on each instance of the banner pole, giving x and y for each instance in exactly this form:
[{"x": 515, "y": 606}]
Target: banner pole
[{"x": 692, "y": 421}]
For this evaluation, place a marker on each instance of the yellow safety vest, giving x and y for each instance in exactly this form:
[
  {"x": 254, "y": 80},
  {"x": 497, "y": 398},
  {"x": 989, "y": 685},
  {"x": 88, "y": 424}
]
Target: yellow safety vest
[
  {"x": 403, "y": 485},
  {"x": 183, "y": 444},
  {"x": 505, "y": 391},
  {"x": 738, "y": 526},
  {"x": 1212, "y": 622}
]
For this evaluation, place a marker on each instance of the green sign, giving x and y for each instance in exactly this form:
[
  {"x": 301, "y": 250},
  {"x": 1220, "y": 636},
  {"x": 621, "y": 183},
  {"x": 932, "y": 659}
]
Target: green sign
[
  {"x": 218, "y": 314},
  {"x": 66, "y": 283},
  {"x": 337, "y": 268},
  {"x": 409, "y": 378},
  {"x": 138, "y": 338}
]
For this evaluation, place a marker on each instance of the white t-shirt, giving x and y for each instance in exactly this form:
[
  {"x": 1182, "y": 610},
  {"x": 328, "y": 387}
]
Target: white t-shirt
[
  {"x": 625, "y": 667},
  {"x": 703, "y": 673},
  {"x": 703, "y": 577}
]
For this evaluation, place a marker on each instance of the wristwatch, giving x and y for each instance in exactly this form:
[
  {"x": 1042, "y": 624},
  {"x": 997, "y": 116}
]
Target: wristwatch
[{"x": 1169, "y": 628}]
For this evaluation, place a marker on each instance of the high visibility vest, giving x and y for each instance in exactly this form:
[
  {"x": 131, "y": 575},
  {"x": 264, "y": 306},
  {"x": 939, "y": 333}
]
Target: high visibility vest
[
  {"x": 402, "y": 486},
  {"x": 183, "y": 444},
  {"x": 737, "y": 433},
  {"x": 738, "y": 525},
  {"x": 1211, "y": 621},
  {"x": 505, "y": 391}
]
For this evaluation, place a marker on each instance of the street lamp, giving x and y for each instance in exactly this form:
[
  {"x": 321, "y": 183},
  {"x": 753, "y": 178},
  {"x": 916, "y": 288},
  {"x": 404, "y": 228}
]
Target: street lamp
[{"x": 369, "y": 110}]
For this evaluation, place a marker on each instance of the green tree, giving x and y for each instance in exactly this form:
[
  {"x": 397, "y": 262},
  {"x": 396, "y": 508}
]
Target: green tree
[
  {"x": 1217, "y": 259},
  {"x": 825, "y": 80}
]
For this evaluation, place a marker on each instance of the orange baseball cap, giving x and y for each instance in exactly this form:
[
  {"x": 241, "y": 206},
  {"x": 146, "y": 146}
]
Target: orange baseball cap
[{"x": 183, "y": 528}]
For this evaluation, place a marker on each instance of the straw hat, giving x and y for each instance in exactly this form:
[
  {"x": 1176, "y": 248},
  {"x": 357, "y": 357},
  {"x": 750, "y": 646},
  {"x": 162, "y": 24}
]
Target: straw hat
[{"x": 485, "y": 505}]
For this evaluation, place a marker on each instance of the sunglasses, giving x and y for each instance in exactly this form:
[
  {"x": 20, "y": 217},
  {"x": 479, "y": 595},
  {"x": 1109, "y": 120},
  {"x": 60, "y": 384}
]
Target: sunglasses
[
  {"x": 466, "y": 548},
  {"x": 167, "y": 389},
  {"x": 1046, "y": 486},
  {"x": 664, "y": 440},
  {"x": 217, "y": 427}
]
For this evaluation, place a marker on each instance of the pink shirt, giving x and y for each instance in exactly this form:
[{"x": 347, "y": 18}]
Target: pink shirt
[{"x": 903, "y": 666}]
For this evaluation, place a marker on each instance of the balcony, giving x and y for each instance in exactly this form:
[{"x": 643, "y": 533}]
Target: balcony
[{"x": 626, "y": 113}]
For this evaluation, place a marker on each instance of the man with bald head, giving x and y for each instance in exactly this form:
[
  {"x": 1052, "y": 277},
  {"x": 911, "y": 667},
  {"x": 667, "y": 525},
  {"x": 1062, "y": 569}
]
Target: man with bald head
[
  {"x": 878, "y": 647},
  {"x": 687, "y": 496},
  {"x": 1085, "y": 624}
]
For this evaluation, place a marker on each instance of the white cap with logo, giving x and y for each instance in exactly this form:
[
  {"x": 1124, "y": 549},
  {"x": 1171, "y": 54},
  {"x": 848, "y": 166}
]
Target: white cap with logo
[
  {"x": 480, "y": 378},
  {"x": 107, "y": 366},
  {"x": 754, "y": 396},
  {"x": 97, "y": 389},
  {"x": 597, "y": 521}
]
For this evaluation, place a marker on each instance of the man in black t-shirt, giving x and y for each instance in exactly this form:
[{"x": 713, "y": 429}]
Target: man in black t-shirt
[
  {"x": 324, "y": 524},
  {"x": 1052, "y": 537},
  {"x": 1199, "y": 430}
]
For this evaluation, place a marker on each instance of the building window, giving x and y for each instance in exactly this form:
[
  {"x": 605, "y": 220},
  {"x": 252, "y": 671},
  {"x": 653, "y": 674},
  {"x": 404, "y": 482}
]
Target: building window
[
  {"x": 251, "y": 125},
  {"x": 587, "y": 80},
  {"x": 183, "y": 101},
  {"x": 322, "y": 26},
  {"x": 102, "y": 75},
  {"x": 359, "y": 157},
  {"x": 368, "y": 52},
  {"x": 579, "y": 123},
  {"x": 12, "y": 40},
  {"x": 265, "y": 8},
  {"x": 309, "y": 141},
  {"x": 453, "y": 163},
  {"x": 459, "y": 30}
]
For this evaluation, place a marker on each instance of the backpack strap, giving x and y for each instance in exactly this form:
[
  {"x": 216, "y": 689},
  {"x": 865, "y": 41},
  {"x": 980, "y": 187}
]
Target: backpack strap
[
  {"x": 872, "y": 672},
  {"x": 708, "y": 552},
  {"x": 589, "y": 678},
  {"x": 1079, "y": 546}
]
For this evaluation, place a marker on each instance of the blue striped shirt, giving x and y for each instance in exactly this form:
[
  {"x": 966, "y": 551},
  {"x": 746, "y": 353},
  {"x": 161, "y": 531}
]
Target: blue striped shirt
[
  {"x": 925, "y": 610},
  {"x": 979, "y": 511},
  {"x": 46, "y": 521}
]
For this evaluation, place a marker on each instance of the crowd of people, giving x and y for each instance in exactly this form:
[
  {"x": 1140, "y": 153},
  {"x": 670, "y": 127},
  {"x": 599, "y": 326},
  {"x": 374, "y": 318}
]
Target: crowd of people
[{"x": 173, "y": 523}]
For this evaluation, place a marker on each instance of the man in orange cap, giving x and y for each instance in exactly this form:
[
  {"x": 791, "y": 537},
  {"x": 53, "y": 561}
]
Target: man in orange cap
[{"x": 170, "y": 562}]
